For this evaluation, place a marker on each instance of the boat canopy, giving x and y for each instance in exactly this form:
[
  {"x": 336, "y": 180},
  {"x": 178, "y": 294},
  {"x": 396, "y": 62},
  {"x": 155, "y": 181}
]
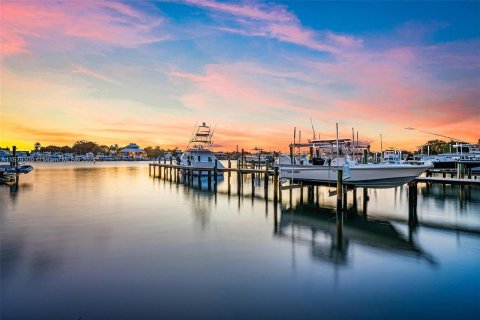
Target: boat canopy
[{"x": 331, "y": 142}]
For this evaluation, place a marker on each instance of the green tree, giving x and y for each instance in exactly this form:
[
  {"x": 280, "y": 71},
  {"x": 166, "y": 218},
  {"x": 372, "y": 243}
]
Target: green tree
[
  {"x": 103, "y": 149},
  {"x": 66, "y": 149},
  {"x": 113, "y": 149},
  {"x": 51, "y": 148},
  {"x": 440, "y": 146},
  {"x": 154, "y": 152},
  {"x": 84, "y": 146}
]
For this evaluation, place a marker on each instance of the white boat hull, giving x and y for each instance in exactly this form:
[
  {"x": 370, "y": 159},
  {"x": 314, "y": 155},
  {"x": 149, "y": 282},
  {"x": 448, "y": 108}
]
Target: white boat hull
[
  {"x": 366, "y": 176},
  {"x": 204, "y": 165}
]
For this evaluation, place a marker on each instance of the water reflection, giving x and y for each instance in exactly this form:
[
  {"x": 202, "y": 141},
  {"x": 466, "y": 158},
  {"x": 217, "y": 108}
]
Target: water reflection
[
  {"x": 330, "y": 236},
  {"x": 111, "y": 242}
]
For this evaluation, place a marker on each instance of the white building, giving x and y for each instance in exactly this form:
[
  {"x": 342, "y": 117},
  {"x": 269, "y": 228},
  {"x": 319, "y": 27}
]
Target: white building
[{"x": 132, "y": 151}]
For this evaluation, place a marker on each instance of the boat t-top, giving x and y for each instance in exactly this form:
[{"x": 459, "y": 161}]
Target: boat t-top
[{"x": 198, "y": 153}]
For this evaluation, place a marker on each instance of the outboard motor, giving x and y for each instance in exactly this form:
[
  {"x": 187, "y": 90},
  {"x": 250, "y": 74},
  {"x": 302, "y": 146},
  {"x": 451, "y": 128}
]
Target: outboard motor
[{"x": 318, "y": 161}]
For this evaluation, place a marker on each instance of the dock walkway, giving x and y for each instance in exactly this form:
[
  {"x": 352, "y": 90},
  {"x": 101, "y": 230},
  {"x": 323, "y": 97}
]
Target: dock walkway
[{"x": 456, "y": 181}]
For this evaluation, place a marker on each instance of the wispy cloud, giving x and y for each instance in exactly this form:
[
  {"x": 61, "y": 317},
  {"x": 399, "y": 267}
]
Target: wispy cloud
[
  {"x": 252, "y": 10},
  {"x": 90, "y": 73},
  {"x": 272, "y": 21}
]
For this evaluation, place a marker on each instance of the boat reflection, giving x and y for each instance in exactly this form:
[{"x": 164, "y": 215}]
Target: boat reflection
[{"x": 332, "y": 236}]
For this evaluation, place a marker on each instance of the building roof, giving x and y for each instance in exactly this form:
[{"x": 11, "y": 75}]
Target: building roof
[{"x": 132, "y": 147}]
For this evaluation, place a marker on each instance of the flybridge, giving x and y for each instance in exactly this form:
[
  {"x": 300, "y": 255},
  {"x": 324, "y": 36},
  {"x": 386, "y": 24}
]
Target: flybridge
[{"x": 203, "y": 135}]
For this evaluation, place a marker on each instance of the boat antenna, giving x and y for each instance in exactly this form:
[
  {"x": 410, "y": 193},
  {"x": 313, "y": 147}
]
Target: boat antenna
[
  {"x": 381, "y": 148},
  {"x": 434, "y": 134},
  {"x": 211, "y": 135},
  {"x": 357, "y": 148},
  {"x": 336, "y": 124},
  {"x": 313, "y": 129},
  {"x": 293, "y": 147},
  {"x": 299, "y": 140},
  {"x": 353, "y": 143}
]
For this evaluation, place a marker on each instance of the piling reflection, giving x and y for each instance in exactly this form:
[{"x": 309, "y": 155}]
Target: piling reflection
[{"x": 331, "y": 234}]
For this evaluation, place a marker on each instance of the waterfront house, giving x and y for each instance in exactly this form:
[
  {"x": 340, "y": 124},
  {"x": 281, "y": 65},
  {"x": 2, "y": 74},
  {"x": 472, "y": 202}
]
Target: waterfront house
[{"x": 132, "y": 151}]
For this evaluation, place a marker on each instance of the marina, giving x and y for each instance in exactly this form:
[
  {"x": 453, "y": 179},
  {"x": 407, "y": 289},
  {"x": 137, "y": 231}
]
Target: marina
[{"x": 239, "y": 159}]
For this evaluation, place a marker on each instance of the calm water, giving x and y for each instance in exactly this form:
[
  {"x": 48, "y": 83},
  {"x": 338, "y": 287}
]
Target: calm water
[{"x": 106, "y": 241}]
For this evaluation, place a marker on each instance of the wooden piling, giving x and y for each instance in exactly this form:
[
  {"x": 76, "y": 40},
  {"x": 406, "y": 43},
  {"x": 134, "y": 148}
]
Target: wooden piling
[
  {"x": 265, "y": 182},
  {"x": 215, "y": 175},
  {"x": 412, "y": 204},
  {"x": 253, "y": 184},
  {"x": 275, "y": 185},
  {"x": 239, "y": 182},
  {"x": 301, "y": 192},
  {"x": 339, "y": 188},
  {"x": 243, "y": 159},
  {"x": 209, "y": 180},
  {"x": 461, "y": 170}
]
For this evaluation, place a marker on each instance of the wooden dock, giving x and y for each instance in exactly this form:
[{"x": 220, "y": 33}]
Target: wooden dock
[
  {"x": 452, "y": 181},
  {"x": 188, "y": 175}
]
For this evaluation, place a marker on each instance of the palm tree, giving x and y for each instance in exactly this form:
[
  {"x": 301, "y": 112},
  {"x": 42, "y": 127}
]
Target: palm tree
[{"x": 37, "y": 146}]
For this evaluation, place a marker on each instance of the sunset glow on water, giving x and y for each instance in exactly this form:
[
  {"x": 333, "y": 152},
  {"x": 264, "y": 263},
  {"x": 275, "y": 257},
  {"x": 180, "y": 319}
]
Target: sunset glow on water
[{"x": 109, "y": 241}]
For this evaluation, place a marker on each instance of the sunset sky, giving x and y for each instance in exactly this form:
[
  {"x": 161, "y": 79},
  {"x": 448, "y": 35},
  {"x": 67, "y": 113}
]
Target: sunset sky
[{"x": 146, "y": 72}]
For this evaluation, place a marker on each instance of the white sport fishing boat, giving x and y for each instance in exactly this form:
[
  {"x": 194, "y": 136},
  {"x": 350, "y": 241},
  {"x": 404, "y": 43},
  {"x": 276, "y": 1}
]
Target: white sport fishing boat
[{"x": 198, "y": 153}]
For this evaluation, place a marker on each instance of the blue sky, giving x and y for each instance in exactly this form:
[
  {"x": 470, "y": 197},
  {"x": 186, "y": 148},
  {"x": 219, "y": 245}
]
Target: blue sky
[{"x": 145, "y": 72}]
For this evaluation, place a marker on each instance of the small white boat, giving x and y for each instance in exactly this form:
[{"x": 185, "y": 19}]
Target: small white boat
[{"x": 198, "y": 153}]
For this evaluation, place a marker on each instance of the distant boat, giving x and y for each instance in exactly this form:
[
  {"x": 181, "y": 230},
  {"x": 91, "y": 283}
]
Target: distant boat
[
  {"x": 198, "y": 153},
  {"x": 9, "y": 173},
  {"x": 464, "y": 152}
]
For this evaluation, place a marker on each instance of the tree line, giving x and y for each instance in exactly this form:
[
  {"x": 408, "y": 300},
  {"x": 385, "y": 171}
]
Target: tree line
[
  {"x": 439, "y": 146},
  {"x": 84, "y": 146}
]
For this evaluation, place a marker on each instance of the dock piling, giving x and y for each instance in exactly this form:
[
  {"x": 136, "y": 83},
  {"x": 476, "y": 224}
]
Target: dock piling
[
  {"x": 339, "y": 188},
  {"x": 215, "y": 175},
  {"x": 209, "y": 180}
]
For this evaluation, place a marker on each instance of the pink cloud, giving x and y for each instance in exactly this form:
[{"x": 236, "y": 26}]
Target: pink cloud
[
  {"x": 293, "y": 33},
  {"x": 272, "y": 21},
  {"x": 226, "y": 83},
  {"x": 103, "y": 22},
  {"x": 343, "y": 40},
  {"x": 12, "y": 44}
]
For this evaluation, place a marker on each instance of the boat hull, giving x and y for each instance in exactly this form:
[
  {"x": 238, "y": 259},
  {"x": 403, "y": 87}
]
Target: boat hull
[
  {"x": 366, "y": 176},
  {"x": 201, "y": 173},
  {"x": 203, "y": 168}
]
